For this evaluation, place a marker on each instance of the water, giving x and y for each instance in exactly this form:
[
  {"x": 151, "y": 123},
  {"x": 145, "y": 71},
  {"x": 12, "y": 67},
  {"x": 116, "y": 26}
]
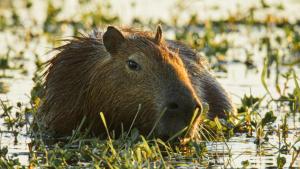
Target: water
[{"x": 238, "y": 80}]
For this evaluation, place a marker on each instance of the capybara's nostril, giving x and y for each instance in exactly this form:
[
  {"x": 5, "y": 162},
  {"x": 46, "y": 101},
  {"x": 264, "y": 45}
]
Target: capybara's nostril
[{"x": 172, "y": 106}]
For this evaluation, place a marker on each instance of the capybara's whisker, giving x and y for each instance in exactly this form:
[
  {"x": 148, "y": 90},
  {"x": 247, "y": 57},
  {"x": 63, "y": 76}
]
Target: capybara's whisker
[
  {"x": 139, "y": 108},
  {"x": 208, "y": 131},
  {"x": 156, "y": 122}
]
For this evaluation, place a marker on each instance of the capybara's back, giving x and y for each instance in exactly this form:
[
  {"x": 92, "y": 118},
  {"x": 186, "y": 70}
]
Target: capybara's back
[{"x": 137, "y": 79}]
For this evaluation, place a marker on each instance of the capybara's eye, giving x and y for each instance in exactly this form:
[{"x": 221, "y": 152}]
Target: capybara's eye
[{"x": 133, "y": 65}]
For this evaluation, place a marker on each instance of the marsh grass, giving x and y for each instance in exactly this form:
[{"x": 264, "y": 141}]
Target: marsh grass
[{"x": 261, "y": 118}]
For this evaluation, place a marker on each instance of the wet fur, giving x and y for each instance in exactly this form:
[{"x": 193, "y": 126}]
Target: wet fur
[{"x": 79, "y": 82}]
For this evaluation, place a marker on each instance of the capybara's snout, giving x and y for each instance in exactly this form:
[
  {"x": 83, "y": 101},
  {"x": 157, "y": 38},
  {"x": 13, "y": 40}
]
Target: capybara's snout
[{"x": 180, "y": 105}]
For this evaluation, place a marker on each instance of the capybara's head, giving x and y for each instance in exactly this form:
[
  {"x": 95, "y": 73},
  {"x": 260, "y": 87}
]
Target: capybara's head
[{"x": 141, "y": 77}]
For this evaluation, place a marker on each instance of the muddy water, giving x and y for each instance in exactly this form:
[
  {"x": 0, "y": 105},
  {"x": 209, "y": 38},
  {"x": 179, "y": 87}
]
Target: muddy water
[{"x": 238, "y": 80}]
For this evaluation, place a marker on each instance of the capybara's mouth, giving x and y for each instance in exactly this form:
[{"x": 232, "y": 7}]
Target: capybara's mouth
[
  {"x": 179, "y": 125},
  {"x": 171, "y": 127}
]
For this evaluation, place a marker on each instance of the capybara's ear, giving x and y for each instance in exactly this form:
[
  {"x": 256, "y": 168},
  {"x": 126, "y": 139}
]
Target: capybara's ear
[
  {"x": 158, "y": 35},
  {"x": 112, "y": 39}
]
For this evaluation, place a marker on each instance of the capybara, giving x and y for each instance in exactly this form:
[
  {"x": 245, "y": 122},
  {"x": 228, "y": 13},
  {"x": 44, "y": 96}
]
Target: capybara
[{"x": 136, "y": 78}]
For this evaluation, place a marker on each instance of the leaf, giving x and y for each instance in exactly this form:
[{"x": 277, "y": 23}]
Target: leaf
[{"x": 269, "y": 118}]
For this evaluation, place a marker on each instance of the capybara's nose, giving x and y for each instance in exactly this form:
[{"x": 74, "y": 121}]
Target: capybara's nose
[
  {"x": 172, "y": 106},
  {"x": 181, "y": 107}
]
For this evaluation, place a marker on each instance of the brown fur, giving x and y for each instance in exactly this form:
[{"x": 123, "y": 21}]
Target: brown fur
[{"x": 89, "y": 76}]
